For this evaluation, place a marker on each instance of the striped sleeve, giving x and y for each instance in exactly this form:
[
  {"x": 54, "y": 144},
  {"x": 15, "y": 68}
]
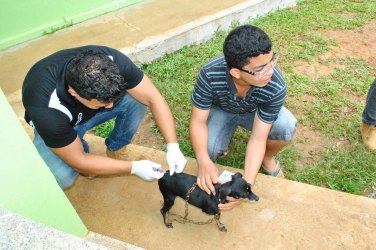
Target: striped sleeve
[{"x": 202, "y": 96}]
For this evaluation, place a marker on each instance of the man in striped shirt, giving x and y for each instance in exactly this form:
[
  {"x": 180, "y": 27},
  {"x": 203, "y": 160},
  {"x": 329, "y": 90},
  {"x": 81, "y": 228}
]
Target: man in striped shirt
[{"x": 240, "y": 88}]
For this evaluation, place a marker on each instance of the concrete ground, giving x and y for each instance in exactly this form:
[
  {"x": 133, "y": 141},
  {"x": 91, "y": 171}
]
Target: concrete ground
[{"x": 288, "y": 215}]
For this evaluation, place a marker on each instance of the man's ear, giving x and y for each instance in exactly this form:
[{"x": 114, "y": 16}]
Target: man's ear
[
  {"x": 72, "y": 91},
  {"x": 235, "y": 73}
]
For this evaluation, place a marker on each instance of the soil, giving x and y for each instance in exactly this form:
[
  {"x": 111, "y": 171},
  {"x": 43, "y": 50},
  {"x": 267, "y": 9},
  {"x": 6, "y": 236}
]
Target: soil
[
  {"x": 145, "y": 135},
  {"x": 359, "y": 43}
]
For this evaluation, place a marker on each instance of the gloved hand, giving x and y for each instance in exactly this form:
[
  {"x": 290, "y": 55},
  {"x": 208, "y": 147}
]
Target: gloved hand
[
  {"x": 175, "y": 158},
  {"x": 147, "y": 170}
]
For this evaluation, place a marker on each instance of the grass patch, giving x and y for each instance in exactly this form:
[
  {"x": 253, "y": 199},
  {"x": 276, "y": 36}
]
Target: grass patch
[
  {"x": 349, "y": 169},
  {"x": 295, "y": 33},
  {"x": 65, "y": 23}
]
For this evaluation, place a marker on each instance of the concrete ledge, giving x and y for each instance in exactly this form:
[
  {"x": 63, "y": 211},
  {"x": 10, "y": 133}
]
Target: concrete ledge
[
  {"x": 18, "y": 232},
  {"x": 59, "y": 14},
  {"x": 203, "y": 29},
  {"x": 109, "y": 242}
]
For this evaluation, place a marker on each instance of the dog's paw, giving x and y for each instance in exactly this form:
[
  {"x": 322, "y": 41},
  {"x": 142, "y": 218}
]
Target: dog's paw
[
  {"x": 222, "y": 228},
  {"x": 169, "y": 225}
]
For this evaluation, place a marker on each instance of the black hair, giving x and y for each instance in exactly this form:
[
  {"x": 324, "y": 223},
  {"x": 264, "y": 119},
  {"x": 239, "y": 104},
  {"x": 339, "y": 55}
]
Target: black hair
[
  {"x": 93, "y": 75},
  {"x": 244, "y": 42}
]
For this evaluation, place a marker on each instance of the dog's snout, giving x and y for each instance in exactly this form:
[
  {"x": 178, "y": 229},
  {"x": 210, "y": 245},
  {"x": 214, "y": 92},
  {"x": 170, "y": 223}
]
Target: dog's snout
[{"x": 253, "y": 197}]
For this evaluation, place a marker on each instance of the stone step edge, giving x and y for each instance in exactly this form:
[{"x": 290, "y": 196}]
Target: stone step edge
[{"x": 109, "y": 242}]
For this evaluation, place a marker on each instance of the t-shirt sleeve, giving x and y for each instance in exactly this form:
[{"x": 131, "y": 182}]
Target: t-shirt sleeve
[
  {"x": 56, "y": 132},
  {"x": 268, "y": 112},
  {"x": 131, "y": 73},
  {"x": 202, "y": 96}
]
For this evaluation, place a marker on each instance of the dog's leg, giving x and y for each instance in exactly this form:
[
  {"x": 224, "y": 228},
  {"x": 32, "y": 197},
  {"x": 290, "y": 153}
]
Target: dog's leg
[
  {"x": 223, "y": 193},
  {"x": 167, "y": 204},
  {"x": 220, "y": 225}
]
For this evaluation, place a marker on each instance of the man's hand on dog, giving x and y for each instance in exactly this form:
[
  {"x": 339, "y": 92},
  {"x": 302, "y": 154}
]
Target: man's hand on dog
[
  {"x": 232, "y": 202},
  {"x": 175, "y": 158},
  {"x": 207, "y": 176},
  {"x": 147, "y": 170}
]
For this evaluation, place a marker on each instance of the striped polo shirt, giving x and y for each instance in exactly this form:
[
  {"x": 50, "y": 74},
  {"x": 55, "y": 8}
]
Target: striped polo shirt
[{"x": 215, "y": 87}]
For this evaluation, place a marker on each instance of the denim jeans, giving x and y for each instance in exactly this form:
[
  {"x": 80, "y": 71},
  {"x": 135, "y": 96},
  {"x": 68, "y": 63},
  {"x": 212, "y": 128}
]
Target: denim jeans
[
  {"x": 369, "y": 112},
  {"x": 222, "y": 125},
  {"x": 129, "y": 114}
]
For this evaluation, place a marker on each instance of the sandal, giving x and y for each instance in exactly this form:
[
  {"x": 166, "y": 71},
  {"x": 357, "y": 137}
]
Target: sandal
[{"x": 276, "y": 172}]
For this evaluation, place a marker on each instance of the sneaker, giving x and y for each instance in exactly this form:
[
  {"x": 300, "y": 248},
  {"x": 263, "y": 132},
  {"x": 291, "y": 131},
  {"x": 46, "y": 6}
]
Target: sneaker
[
  {"x": 118, "y": 154},
  {"x": 369, "y": 135}
]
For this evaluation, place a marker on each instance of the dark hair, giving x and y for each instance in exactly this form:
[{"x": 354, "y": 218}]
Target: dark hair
[
  {"x": 93, "y": 75},
  {"x": 244, "y": 42}
]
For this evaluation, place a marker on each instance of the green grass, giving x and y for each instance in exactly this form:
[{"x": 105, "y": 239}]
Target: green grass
[{"x": 295, "y": 35}]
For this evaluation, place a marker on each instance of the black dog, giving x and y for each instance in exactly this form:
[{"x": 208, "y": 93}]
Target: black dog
[{"x": 180, "y": 184}]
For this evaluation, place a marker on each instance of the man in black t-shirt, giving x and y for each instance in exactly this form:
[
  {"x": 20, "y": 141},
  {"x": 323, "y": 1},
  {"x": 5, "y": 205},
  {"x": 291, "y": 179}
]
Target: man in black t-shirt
[{"x": 73, "y": 90}]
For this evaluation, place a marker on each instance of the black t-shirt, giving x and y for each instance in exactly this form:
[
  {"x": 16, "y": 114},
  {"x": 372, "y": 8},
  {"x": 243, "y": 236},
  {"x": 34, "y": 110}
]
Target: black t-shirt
[{"x": 48, "y": 105}]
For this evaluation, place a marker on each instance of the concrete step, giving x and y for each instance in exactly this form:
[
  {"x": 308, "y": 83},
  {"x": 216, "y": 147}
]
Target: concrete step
[{"x": 110, "y": 243}]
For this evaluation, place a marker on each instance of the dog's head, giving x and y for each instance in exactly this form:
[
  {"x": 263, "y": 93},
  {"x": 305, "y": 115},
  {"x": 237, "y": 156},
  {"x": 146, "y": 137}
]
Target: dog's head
[{"x": 236, "y": 188}]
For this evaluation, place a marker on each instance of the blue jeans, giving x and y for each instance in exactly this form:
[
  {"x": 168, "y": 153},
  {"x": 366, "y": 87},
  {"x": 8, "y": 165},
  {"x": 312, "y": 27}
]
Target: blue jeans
[
  {"x": 222, "y": 125},
  {"x": 369, "y": 113},
  {"x": 129, "y": 114}
]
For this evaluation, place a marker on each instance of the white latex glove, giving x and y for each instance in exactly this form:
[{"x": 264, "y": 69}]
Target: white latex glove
[
  {"x": 175, "y": 158},
  {"x": 147, "y": 170}
]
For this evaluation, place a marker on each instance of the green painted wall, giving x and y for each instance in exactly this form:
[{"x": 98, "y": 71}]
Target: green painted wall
[
  {"x": 27, "y": 187},
  {"x": 22, "y": 20}
]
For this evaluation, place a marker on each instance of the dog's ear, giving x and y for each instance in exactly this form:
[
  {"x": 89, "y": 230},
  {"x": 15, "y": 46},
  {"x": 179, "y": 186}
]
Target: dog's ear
[{"x": 237, "y": 175}]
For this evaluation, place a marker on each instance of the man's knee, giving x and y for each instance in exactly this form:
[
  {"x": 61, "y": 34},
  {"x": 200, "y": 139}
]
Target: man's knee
[
  {"x": 67, "y": 184},
  {"x": 289, "y": 129},
  {"x": 284, "y": 132},
  {"x": 67, "y": 180},
  {"x": 131, "y": 110},
  {"x": 284, "y": 127},
  {"x": 129, "y": 103},
  {"x": 215, "y": 151}
]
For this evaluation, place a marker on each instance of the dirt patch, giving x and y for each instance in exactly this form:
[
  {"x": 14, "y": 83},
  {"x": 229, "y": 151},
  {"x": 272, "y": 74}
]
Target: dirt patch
[
  {"x": 359, "y": 43},
  {"x": 145, "y": 136},
  {"x": 310, "y": 144}
]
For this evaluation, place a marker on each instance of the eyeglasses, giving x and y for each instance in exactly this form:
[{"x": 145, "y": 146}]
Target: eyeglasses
[{"x": 262, "y": 72}]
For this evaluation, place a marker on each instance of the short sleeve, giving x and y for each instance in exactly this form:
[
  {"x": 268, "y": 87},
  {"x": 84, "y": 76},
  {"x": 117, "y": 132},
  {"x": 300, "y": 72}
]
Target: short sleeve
[
  {"x": 202, "y": 96},
  {"x": 56, "y": 132}
]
